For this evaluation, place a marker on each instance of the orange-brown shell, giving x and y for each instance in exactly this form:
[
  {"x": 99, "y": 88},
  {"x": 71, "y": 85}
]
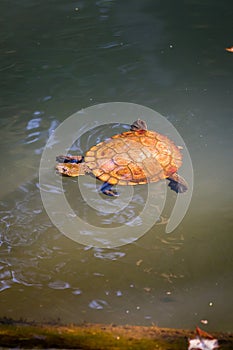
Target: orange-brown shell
[{"x": 134, "y": 157}]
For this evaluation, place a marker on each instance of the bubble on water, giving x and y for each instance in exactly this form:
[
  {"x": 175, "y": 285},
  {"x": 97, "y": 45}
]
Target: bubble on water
[
  {"x": 98, "y": 304},
  {"x": 38, "y": 113},
  {"x": 47, "y": 98},
  {"x": 77, "y": 292},
  {"x": 119, "y": 293}
]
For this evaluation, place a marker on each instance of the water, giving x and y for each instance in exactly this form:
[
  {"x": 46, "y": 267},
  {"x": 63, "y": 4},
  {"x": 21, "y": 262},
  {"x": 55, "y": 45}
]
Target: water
[{"x": 59, "y": 57}]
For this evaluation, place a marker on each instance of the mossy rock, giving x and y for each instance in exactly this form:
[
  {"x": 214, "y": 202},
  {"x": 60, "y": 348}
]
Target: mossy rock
[{"x": 98, "y": 337}]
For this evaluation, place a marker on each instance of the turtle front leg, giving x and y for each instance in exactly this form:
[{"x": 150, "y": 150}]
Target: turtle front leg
[
  {"x": 177, "y": 183},
  {"x": 106, "y": 188}
]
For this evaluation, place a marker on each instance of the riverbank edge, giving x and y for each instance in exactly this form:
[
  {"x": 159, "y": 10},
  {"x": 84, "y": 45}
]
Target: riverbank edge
[{"x": 88, "y": 336}]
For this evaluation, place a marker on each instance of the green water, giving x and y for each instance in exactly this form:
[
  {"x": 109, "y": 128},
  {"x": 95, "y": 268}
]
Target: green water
[{"x": 58, "y": 57}]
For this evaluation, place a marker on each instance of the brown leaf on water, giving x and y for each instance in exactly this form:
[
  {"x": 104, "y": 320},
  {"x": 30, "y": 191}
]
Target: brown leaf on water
[
  {"x": 203, "y": 334},
  {"x": 138, "y": 263}
]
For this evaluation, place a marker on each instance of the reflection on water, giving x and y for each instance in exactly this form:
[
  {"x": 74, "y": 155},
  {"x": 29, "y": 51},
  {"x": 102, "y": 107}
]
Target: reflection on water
[{"x": 170, "y": 58}]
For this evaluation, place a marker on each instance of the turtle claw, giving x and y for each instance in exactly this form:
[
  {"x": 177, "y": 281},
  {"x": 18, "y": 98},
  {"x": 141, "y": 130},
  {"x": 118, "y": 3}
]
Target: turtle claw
[
  {"x": 106, "y": 189},
  {"x": 111, "y": 193}
]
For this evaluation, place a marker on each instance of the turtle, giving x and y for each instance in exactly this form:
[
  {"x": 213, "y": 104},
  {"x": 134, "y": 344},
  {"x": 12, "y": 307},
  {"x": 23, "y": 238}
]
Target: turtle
[{"x": 137, "y": 156}]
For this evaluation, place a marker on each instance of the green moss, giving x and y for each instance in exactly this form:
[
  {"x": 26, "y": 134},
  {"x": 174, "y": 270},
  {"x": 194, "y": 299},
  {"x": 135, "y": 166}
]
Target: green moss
[{"x": 97, "y": 337}]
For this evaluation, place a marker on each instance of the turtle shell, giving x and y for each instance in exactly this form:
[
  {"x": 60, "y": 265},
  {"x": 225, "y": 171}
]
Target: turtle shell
[{"x": 134, "y": 157}]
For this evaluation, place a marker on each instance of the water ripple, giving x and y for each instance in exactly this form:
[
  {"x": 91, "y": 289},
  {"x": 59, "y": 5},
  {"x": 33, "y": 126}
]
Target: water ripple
[
  {"x": 99, "y": 253},
  {"x": 33, "y": 123},
  {"x": 4, "y": 285},
  {"x": 111, "y": 45},
  {"x": 59, "y": 285},
  {"x": 50, "y": 188},
  {"x": 32, "y": 137}
]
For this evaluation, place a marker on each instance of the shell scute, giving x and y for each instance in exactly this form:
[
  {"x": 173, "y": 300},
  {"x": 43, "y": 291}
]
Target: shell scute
[
  {"x": 104, "y": 177},
  {"x": 104, "y": 152},
  {"x": 136, "y": 154},
  {"x": 124, "y": 159},
  {"x": 148, "y": 141},
  {"x": 163, "y": 159},
  {"x": 137, "y": 171},
  {"x": 152, "y": 167},
  {"x": 122, "y": 173},
  {"x": 163, "y": 148},
  {"x": 106, "y": 165}
]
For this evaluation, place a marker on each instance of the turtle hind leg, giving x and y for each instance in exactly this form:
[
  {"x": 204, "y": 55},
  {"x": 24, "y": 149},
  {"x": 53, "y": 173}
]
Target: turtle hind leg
[
  {"x": 69, "y": 159},
  {"x": 177, "y": 183},
  {"x": 106, "y": 188}
]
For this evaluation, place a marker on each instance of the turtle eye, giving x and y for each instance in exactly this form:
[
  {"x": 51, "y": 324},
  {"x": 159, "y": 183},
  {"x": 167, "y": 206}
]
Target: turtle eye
[{"x": 64, "y": 169}]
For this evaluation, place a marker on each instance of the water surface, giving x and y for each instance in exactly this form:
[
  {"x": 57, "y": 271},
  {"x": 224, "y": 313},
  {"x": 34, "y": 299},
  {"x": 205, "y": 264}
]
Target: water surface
[{"x": 59, "y": 57}]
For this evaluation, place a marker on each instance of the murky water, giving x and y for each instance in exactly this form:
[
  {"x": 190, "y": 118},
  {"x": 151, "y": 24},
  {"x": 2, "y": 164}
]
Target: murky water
[{"x": 59, "y": 57}]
